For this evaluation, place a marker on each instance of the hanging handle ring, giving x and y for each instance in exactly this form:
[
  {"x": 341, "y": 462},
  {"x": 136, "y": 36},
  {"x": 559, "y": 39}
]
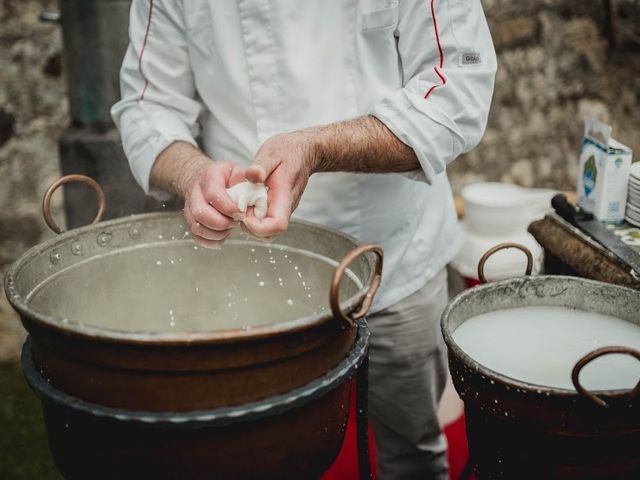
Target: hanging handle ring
[
  {"x": 580, "y": 364},
  {"x": 365, "y": 304},
  {"x": 504, "y": 246},
  {"x": 46, "y": 200}
]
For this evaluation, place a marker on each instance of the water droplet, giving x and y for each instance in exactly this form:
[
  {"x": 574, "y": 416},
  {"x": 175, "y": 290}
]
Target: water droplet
[
  {"x": 257, "y": 274},
  {"x": 289, "y": 301},
  {"x": 160, "y": 237},
  {"x": 195, "y": 247},
  {"x": 261, "y": 283},
  {"x": 253, "y": 249},
  {"x": 158, "y": 262}
]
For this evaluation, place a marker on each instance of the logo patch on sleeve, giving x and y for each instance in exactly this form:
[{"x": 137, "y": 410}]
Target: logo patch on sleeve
[{"x": 470, "y": 58}]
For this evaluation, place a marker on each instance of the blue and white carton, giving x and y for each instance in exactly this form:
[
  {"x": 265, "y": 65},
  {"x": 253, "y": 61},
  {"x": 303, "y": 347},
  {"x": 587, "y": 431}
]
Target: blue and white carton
[{"x": 604, "y": 173}]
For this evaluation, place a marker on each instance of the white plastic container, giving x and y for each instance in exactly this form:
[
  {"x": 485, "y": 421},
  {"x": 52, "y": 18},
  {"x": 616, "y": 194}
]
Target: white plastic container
[{"x": 497, "y": 213}]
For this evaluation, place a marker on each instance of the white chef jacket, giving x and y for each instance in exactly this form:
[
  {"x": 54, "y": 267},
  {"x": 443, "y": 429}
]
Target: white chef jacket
[{"x": 235, "y": 72}]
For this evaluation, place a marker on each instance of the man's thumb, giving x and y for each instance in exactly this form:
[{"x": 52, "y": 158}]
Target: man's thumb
[{"x": 261, "y": 168}]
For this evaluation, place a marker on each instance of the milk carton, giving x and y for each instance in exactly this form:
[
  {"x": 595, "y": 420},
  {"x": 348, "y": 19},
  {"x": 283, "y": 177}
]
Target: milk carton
[{"x": 604, "y": 173}]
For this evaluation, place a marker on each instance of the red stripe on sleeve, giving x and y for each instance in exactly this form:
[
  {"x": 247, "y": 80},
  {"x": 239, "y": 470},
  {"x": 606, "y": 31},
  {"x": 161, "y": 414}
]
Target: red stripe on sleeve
[
  {"x": 144, "y": 45},
  {"x": 436, "y": 68}
]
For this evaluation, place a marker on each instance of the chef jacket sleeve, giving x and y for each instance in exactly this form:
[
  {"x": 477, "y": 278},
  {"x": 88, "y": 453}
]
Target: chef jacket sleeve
[
  {"x": 158, "y": 103},
  {"x": 448, "y": 64}
]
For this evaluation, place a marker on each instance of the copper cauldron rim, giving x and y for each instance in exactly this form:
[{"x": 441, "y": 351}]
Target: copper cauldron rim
[
  {"x": 107, "y": 335},
  {"x": 504, "y": 380}
]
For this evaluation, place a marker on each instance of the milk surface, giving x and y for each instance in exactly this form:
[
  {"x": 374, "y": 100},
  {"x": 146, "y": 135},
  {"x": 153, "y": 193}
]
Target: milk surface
[
  {"x": 191, "y": 289},
  {"x": 541, "y": 344}
]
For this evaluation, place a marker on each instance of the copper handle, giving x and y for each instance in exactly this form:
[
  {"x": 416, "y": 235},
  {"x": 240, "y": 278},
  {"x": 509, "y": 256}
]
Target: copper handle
[
  {"x": 575, "y": 373},
  {"x": 46, "y": 200},
  {"x": 504, "y": 246},
  {"x": 334, "y": 292}
]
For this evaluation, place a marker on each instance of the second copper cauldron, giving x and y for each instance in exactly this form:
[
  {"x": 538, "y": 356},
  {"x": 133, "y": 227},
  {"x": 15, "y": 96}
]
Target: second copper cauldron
[{"x": 524, "y": 430}]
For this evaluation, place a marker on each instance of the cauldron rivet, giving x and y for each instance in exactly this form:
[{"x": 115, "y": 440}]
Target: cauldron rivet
[
  {"x": 134, "y": 231},
  {"x": 76, "y": 248},
  {"x": 54, "y": 257},
  {"x": 104, "y": 238}
]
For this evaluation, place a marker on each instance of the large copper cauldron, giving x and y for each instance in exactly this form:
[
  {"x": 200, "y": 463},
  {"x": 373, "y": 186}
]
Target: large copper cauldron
[
  {"x": 129, "y": 315},
  {"x": 521, "y": 430}
]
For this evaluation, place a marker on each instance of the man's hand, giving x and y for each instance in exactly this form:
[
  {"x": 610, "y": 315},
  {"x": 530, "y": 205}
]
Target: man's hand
[
  {"x": 209, "y": 212},
  {"x": 283, "y": 163}
]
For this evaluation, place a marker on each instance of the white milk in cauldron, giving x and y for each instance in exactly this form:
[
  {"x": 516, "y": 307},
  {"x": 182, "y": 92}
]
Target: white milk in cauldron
[{"x": 541, "y": 344}]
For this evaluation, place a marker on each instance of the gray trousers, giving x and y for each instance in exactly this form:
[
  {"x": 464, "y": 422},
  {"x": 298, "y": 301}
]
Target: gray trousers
[{"x": 407, "y": 375}]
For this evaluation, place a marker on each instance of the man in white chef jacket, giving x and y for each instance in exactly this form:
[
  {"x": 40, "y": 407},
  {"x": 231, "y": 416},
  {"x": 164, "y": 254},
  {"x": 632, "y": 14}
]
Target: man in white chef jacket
[{"x": 349, "y": 111}]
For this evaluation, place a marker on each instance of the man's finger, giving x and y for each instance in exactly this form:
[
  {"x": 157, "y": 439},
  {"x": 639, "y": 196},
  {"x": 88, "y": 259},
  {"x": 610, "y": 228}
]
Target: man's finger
[
  {"x": 262, "y": 167},
  {"x": 214, "y": 192},
  {"x": 208, "y": 234},
  {"x": 237, "y": 175},
  {"x": 203, "y": 242},
  {"x": 205, "y": 214},
  {"x": 248, "y": 232},
  {"x": 276, "y": 221}
]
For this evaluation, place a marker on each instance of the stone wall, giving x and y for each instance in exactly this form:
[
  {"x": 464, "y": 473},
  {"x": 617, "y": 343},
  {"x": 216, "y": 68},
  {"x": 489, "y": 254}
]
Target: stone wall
[
  {"x": 559, "y": 61},
  {"x": 33, "y": 112}
]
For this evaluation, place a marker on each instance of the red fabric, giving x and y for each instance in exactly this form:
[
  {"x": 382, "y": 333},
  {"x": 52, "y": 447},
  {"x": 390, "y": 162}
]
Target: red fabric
[
  {"x": 437, "y": 34},
  {"x": 471, "y": 282},
  {"x": 346, "y": 465},
  {"x": 144, "y": 45}
]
